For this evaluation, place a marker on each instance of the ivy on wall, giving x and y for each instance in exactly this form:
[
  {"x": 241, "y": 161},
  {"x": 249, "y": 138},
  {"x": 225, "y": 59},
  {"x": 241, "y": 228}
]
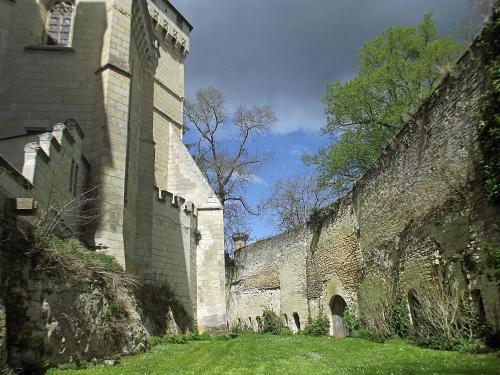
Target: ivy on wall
[{"x": 489, "y": 128}]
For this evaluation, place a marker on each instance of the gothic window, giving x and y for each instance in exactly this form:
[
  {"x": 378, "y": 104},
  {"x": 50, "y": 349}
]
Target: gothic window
[{"x": 59, "y": 19}]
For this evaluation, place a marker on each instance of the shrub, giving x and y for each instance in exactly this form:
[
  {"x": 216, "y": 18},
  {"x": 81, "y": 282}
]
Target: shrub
[
  {"x": 239, "y": 327},
  {"x": 457, "y": 344},
  {"x": 442, "y": 310},
  {"x": 271, "y": 322},
  {"x": 376, "y": 301},
  {"x": 176, "y": 339},
  {"x": 196, "y": 336},
  {"x": 117, "y": 310},
  {"x": 401, "y": 325},
  {"x": 155, "y": 341},
  {"x": 320, "y": 326},
  {"x": 351, "y": 322}
]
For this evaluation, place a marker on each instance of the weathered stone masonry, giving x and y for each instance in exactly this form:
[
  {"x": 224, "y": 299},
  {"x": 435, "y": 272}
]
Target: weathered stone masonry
[
  {"x": 121, "y": 77},
  {"x": 420, "y": 205}
]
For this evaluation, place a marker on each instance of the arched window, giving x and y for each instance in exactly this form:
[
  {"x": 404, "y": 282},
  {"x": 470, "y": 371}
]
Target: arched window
[{"x": 59, "y": 20}]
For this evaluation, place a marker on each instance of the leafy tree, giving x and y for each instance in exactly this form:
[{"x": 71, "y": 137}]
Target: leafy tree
[
  {"x": 221, "y": 150},
  {"x": 397, "y": 71}
]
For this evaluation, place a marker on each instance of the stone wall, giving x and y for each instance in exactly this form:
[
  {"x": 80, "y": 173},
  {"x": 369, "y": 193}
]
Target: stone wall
[
  {"x": 127, "y": 92},
  {"x": 173, "y": 252},
  {"x": 46, "y": 174},
  {"x": 420, "y": 206},
  {"x": 50, "y": 315},
  {"x": 62, "y": 83},
  {"x": 270, "y": 274}
]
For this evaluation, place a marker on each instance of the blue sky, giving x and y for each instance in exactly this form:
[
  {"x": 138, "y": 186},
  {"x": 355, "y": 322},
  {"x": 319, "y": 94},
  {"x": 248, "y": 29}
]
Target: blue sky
[{"x": 283, "y": 53}]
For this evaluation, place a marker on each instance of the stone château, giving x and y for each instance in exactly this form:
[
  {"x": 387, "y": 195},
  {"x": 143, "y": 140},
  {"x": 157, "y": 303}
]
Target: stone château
[{"x": 91, "y": 95}]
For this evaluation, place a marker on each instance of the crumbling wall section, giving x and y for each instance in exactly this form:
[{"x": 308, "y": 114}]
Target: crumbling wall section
[{"x": 419, "y": 209}]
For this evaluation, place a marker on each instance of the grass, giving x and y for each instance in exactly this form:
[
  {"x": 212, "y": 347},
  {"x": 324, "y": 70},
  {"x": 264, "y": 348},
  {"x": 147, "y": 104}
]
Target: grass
[
  {"x": 267, "y": 354},
  {"x": 75, "y": 253}
]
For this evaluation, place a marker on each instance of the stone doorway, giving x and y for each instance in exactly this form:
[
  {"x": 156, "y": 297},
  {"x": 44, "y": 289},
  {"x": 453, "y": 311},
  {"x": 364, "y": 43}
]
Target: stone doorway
[{"x": 337, "y": 307}]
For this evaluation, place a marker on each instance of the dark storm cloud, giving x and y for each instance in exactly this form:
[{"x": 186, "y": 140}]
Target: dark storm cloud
[{"x": 283, "y": 52}]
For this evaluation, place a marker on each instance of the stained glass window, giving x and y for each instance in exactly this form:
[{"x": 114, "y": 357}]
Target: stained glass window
[{"x": 59, "y": 23}]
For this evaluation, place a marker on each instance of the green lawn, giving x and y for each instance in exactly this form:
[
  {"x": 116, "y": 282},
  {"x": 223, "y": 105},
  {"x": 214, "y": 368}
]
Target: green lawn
[{"x": 263, "y": 354}]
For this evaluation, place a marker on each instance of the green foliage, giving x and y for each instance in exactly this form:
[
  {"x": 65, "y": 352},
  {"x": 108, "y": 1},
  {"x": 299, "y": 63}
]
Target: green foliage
[
  {"x": 73, "y": 255},
  {"x": 196, "y": 336},
  {"x": 320, "y": 214},
  {"x": 455, "y": 344},
  {"x": 271, "y": 322},
  {"x": 489, "y": 132},
  {"x": 239, "y": 327},
  {"x": 155, "y": 341},
  {"x": 319, "y": 326},
  {"x": 401, "y": 325},
  {"x": 376, "y": 306},
  {"x": 117, "y": 310},
  {"x": 493, "y": 259},
  {"x": 176, "y": 339},
  {"x": 398, "y": 70}
]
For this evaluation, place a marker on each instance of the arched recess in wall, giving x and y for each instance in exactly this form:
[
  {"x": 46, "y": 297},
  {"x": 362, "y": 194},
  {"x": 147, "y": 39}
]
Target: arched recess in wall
[
  {"x": 59, "y": 23},
  {"x": 337, "y": 308},
  {"x": 296, "y": 320},
  {"x": 477, "y": 300}
]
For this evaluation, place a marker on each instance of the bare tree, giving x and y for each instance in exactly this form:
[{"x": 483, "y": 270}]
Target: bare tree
[
  {"x": 222, "y": 151},
  {"x": 69, "y": 218},
  {"x": 292, "y": 200},
  {"x": 472, "y": 24},
  {"x": 483, "y": 8}
]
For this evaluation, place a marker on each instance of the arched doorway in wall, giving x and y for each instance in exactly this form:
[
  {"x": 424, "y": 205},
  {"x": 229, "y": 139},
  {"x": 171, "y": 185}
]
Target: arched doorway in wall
[
  {"x": 337, "y": 308},
  {"x": 296, "y": 320}
]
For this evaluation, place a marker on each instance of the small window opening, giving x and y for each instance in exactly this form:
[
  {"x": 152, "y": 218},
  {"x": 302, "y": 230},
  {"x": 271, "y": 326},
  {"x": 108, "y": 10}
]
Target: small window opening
[
  {"x": 75, "y": 181},
  {"x": 296, "y": 319},
  {"x": 71, "y": 175}
]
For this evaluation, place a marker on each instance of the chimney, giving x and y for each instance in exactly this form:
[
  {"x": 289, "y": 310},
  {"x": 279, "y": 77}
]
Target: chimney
[{"x": 239, "y": 240}]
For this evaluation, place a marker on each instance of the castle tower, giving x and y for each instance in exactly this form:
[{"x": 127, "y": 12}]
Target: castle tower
[{"x": 117, "y": 68}]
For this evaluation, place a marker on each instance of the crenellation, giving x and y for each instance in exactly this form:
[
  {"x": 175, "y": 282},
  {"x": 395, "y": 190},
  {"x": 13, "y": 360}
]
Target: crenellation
[{"x": 126, "y": 90}]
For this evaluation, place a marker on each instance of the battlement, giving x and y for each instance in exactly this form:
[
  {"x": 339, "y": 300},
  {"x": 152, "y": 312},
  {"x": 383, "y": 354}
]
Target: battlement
[
  {"x": 176, "y": 201},
  {"x": 45, "y": 171}
]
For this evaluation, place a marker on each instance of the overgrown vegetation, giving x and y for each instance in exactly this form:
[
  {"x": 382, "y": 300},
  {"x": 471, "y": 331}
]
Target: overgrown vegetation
[
  {"x": 319, "y": 326},
  {"x": 72, "y": 257},
  {"x": 435, "y": 312},
  {"x": 271, "y": 322},
  {"x": 489, "y": 136},
  {"x": 493, "y": 260}
]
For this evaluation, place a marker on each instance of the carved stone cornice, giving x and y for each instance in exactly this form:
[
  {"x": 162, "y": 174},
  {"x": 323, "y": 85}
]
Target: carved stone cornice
[
  {"x": 144, "y": 35},
  {"x": 165, "y": 30}
]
